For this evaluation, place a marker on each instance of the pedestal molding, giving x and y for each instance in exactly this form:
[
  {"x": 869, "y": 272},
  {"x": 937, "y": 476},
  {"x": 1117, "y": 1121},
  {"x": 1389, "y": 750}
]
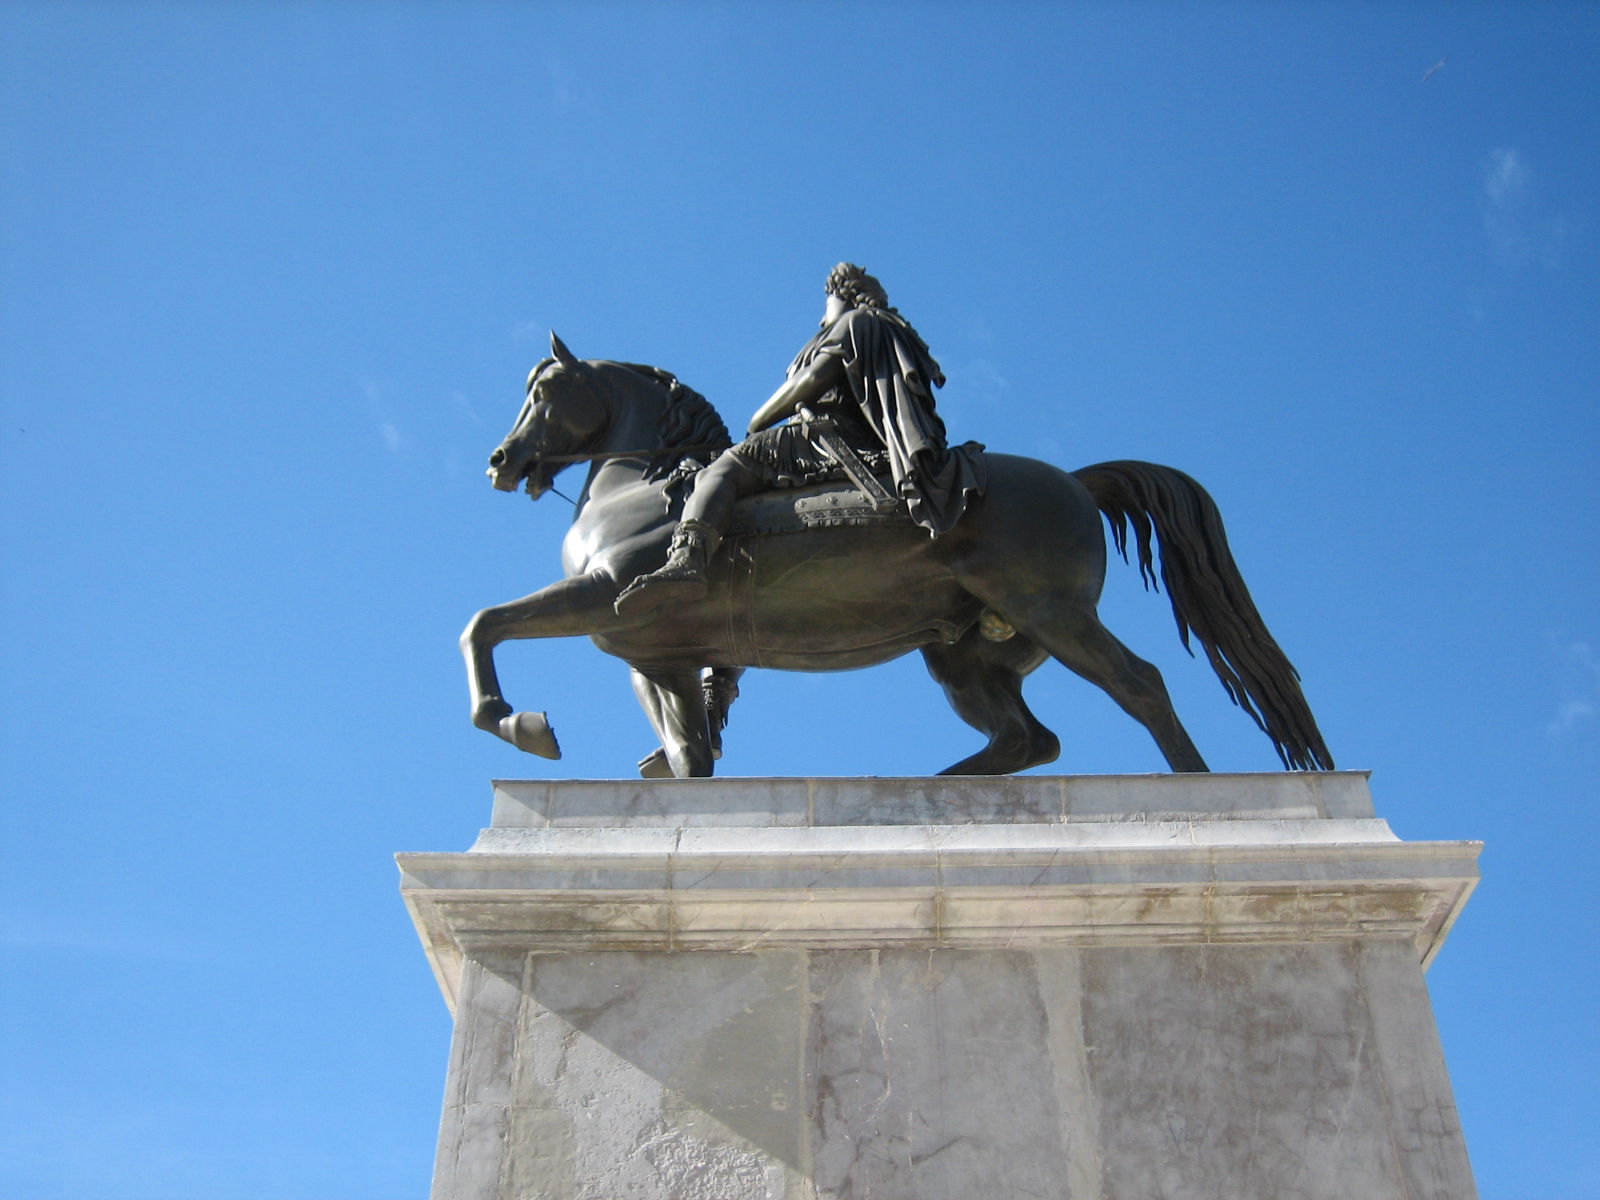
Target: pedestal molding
[{"x": 1117, "y": 877}]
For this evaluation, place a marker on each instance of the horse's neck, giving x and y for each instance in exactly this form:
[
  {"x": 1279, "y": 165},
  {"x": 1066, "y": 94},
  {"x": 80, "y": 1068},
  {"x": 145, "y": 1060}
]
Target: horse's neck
[
  {"x": 607, "y": 478},
  {"x": 635, "y": 420},
  {"x": 633, "y": 423}
]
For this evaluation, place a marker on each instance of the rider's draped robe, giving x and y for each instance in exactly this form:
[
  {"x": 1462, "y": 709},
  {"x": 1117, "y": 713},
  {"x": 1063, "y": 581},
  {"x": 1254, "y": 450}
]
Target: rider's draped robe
[{"x": 885, "y": 412}]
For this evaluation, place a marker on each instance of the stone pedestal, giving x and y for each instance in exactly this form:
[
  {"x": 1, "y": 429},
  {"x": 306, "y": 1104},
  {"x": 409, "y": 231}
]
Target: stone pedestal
[{"x": 1095, "y": 988}]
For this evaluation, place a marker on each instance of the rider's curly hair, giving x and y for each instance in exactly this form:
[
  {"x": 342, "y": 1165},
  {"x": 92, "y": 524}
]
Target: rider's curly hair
[{"x": 856, "y": 288}]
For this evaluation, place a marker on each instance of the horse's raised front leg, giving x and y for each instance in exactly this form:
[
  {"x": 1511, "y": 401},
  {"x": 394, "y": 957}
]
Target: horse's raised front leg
[{"x": 571, "y": 608}]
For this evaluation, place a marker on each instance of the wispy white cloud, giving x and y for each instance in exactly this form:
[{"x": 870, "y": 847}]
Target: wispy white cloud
[
  {"x": 1505, "y": 200},
  {"x": 1569, "y": 716},
  {"x": 25, "y": 932},
  {"x": 1581, "y": 656},
  {"x": 378, "y": 408},
  {"x": 1519, "y": 232},
  {"x": 981, "y": 383},
  {"x": 570, "y": 90},
  {"x": 461, "y": 404},
  {"x": 1505, "y": 177},
  {"x": 1579, "y": 668},
  {"x": 563, "y": 84}
]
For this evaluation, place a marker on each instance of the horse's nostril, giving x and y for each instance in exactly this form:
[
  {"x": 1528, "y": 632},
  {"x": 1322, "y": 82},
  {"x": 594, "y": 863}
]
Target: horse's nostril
[{"x": 498, "y": 458}]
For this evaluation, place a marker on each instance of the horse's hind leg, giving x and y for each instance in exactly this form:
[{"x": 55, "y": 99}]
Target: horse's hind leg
[
  {"x": 675, "y": 704},
  {"x": 983, "y": 682},
  {"x": 1081, "y": 644}
]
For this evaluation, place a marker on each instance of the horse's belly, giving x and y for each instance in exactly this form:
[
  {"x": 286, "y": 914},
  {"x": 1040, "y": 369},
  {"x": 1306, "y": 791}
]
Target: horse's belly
[{"x": 817, "y": 601}]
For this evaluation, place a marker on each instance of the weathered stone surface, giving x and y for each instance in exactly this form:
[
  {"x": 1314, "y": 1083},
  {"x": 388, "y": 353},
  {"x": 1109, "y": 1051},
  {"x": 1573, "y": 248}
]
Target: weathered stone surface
[
  {"x": 1044, "y": 994},
  {"x": 926, "y": 800},
  {"x": 895, "y": 1111}
]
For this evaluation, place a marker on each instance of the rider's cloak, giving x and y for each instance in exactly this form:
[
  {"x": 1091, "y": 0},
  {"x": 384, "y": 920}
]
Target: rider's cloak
[{"x": 891, "y": 378}]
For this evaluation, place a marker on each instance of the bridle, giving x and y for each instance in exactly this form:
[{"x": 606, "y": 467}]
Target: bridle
[{"x": 659, "y": 452}]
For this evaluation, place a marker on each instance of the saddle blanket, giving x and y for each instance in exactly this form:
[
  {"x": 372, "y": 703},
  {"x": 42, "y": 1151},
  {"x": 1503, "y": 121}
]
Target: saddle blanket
[{"x": 794, "y": 510}]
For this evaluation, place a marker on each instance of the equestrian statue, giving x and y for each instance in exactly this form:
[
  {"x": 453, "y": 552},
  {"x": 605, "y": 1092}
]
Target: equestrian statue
[{"x": 845, "y": 531}]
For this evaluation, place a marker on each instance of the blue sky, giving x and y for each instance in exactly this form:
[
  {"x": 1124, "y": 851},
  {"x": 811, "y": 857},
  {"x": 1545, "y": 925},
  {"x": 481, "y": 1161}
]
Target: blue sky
[{"x": 273, "y": 276}]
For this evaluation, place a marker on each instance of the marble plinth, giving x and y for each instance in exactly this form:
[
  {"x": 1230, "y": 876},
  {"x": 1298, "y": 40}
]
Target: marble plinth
[{"x": 1095, "y": 988}]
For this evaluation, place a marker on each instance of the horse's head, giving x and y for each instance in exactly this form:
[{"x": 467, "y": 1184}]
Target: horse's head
[{"x": 564, "y": 413}]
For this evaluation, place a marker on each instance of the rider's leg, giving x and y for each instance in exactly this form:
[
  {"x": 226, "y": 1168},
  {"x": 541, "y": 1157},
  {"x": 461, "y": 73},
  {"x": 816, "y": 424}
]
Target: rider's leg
[
  {"x": 717, "y": 489},
  {"x": 705, "y": 518}
]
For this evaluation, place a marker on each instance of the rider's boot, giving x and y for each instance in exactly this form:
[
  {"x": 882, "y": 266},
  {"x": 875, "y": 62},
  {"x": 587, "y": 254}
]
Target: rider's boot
[{"x": 680, "y": 579}]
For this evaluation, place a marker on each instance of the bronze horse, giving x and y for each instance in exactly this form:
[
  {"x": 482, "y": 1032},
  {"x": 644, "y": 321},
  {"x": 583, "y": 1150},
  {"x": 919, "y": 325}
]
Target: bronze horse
[{"x": 1015, "y": 582}]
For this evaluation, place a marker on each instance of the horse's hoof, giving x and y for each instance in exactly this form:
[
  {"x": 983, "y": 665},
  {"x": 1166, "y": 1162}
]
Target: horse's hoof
[
  {"x": 655, "y": 765},
  {"x": 530, "y": 731}
]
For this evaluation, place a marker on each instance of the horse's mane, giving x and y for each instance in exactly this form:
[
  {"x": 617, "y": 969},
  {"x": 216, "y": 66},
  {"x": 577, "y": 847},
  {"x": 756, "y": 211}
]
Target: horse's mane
[{"x": 689, "y": 420}]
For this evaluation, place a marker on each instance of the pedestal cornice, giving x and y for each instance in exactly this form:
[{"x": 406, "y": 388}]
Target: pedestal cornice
[{"x": 737, "y": 864}]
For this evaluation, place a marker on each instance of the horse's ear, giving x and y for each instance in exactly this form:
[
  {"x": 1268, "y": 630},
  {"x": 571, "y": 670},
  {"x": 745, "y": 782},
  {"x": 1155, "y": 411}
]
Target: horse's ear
[{"x": 559, "y": 349}]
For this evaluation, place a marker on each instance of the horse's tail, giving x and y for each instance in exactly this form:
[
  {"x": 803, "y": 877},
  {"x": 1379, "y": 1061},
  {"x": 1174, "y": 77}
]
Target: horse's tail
[{"x": 1208, "y": 596}]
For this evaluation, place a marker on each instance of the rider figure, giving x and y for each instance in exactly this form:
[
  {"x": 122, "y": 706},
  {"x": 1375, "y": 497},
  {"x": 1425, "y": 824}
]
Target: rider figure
[{"x": 869, "y": 371}]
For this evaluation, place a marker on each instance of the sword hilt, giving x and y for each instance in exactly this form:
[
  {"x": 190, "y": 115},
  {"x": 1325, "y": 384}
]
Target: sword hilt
[{"x": 807, "y": 417}]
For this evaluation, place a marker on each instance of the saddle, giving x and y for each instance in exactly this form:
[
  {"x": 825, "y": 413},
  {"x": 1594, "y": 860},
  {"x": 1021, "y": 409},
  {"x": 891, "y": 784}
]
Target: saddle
[
  {"x": 834, "y": 503},
  {"x": 861, "y": 498}
]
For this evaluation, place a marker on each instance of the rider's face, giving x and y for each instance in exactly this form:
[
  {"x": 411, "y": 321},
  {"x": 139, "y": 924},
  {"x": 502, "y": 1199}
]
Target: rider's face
[{"x": 835, "y": 309}]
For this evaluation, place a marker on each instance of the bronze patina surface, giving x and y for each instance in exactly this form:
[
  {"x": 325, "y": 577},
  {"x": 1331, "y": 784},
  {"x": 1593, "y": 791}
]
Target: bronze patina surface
[{"x": 991, "y": 564}]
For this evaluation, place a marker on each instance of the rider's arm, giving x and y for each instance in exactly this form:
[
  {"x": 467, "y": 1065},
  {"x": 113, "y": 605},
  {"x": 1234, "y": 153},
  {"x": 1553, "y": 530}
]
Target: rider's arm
[{"x": 803, "y": 387}]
